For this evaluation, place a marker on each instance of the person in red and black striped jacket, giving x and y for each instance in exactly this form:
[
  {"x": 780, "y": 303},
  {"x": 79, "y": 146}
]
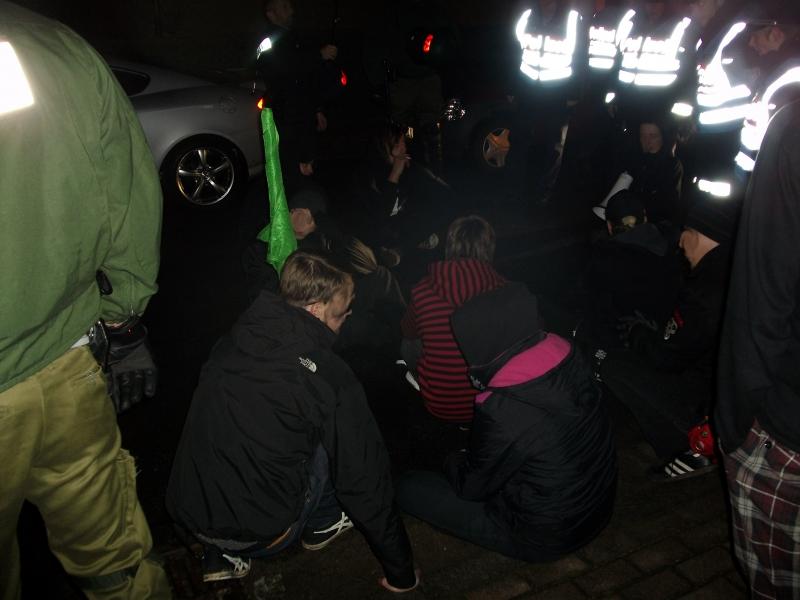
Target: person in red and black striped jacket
[{"x": 466, "y": 272}]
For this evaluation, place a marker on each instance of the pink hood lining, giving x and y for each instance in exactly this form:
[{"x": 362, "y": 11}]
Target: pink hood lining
[{"x": 530, "y": 364}]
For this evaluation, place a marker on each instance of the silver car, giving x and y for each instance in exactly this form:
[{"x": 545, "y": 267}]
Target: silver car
[{"x": 205, "y": 137}]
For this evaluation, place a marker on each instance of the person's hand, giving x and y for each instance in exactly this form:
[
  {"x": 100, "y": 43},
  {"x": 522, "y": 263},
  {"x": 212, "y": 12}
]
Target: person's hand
[
  {"x": 328, "y": 52},
  {"x": 302, "y": 222},
  {"x": 385, "y": 584},
  {"x": 322, "y": 122},
  {"x": 307, "y": 168},
  {"x": 132, "y": 372},
  {"x": 399, "y": 159}
]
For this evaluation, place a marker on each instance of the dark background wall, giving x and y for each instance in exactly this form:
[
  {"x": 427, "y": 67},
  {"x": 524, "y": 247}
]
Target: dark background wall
[{"x": 221, "y": 34}]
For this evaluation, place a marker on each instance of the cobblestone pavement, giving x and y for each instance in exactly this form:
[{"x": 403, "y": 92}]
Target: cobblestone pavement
[{"x": 665, "y": 541}]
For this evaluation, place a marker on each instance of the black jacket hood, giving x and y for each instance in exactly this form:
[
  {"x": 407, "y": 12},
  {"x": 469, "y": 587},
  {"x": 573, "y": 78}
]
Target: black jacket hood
[{"x": 511, "y": 314}]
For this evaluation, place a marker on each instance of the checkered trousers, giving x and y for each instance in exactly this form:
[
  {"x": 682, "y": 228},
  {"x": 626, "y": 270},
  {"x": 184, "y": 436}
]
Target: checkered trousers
[{"x": 764, "y": 482}]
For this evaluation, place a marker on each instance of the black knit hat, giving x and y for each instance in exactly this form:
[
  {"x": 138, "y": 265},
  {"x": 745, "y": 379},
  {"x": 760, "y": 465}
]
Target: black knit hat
[
  {"x": 715, "y": 219},
  {"x": 494, "y": 326},
  {"x": 624, "y": 204},
  {"x": 311, "y": 198}
]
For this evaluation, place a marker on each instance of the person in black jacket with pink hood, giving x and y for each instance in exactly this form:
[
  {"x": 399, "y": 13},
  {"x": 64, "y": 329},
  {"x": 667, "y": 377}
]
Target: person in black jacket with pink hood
[{"x": 539, "y": 476}]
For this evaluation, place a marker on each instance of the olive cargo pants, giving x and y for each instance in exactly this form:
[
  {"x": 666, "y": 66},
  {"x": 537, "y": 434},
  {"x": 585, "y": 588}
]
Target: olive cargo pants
[{"x": 60, "y": 449}]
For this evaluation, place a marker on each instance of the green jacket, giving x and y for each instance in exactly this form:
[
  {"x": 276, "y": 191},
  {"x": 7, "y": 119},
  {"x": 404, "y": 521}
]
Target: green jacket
[{"x": 78, "y": 192}]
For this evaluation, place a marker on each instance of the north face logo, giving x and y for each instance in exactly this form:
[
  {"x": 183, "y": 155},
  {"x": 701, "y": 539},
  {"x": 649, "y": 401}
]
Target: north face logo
[{"x": 308, "y": 364}]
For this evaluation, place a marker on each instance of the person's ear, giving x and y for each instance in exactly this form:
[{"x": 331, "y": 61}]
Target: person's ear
[{"x": 315, "y": 309}]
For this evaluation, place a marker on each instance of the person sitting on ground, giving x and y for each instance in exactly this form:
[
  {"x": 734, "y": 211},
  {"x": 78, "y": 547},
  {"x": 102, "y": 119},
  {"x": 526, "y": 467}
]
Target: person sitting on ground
[
  {"x": 379, "y": 303},
  {"x": 666, "y": 378},
  {"x": 538, "y": 479},
  {"x": 634, "y": 269},
  {"x": 656, "y": 175},
  {"x": 429, "y": 348},
  {"x": 402, "y": 206},
  {"x": 313, "y": 230},
  {"x": 279, "y": 443}
]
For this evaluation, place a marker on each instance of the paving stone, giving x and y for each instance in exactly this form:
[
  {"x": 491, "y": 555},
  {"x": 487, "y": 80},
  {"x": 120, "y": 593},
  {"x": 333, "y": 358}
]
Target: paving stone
[
  {"x": 435, "y": 550},
  {"x": 703, "y": 508},
  {"x": 565, "y": 591},
  {"x": 661, "y": 554},
  {"x": 609, "y": 545},
  {"x": 700, "y": 538},
  {"x": 663, "y": 585},
  {"x": 545, "y": 574},
  {"x": 719, "y": 589},
  {"x": 651, "y": 528},
  {"x": 510, "y": 587},
  {"x": 607, "y": 578},
  {"x": 706, "y": 566},
  {"x": 470, "y": 574}
]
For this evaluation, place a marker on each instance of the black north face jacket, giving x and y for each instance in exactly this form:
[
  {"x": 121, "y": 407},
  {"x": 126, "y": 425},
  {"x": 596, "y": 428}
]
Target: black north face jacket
[{"x": 270, "y": 393}]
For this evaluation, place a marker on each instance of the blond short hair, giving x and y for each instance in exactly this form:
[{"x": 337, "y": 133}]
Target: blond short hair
[{"x": 310, "y": 277}]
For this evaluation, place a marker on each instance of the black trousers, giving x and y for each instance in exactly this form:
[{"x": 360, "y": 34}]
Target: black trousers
[
  {"x": 429, "y": 496},
  {"x": 666, "y": 405}
]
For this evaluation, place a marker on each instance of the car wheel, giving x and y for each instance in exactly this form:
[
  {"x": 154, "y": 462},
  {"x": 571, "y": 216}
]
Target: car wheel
[
  {"x": 491, "y": 145},
  {"x": 203, "y": 171}
]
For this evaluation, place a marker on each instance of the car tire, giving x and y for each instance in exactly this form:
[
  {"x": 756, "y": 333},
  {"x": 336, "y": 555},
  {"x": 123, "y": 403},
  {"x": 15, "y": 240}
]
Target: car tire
[
  {"x": 490, "y": 145},
  {"x": 203, "y": 171}
]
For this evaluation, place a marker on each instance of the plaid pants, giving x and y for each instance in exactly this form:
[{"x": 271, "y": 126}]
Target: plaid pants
[{"x": 764, "y": 482}]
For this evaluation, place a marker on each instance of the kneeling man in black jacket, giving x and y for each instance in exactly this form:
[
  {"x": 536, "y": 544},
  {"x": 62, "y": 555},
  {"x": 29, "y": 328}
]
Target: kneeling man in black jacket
[{"x": 279, "y": 443}]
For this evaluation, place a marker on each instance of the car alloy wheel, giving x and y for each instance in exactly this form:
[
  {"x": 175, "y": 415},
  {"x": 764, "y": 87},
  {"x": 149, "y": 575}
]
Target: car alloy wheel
[
  {"x": 495, "y": 147},
  {"x": 205, "y": 175}
]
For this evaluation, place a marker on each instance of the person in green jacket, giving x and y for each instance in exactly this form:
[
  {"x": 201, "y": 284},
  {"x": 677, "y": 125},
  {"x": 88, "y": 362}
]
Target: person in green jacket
[{"x": 80, "y": 221}]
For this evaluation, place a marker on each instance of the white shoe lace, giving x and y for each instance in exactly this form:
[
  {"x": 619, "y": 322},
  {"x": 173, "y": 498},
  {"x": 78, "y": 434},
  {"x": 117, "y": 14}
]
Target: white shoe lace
[
  {"x": 240, "y": 565},
  {"x": 340, "y": 525}
]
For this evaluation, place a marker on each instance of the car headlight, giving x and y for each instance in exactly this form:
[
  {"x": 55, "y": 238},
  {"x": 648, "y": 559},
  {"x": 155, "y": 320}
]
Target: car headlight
[{"x": 454, "y": 110}]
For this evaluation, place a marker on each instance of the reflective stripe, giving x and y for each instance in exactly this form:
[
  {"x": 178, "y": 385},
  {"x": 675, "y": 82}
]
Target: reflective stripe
[
  {"x": 682, "y": 109},
  {"x": 264, "y": 46},
  {"x": 724, "y": 115},
  {"x": 15, "y": 91},
  {"x": 714, "y": 87},
  {"x": 721, "y": 189},
  {"x": 755, "y": 126},
  {"x": 745, "y": 162},
  {"x": 652, "y": 62},
  {"x": 598, "y": 62}
]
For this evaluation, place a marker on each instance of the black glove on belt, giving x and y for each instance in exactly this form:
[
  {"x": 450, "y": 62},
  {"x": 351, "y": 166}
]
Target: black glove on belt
[{"x": 132, "y": 374}]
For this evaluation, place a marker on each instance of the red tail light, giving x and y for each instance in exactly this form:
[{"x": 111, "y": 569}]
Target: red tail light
[
  {"x": 426, "y": 45},
  {"x": 343, "y": 79}
]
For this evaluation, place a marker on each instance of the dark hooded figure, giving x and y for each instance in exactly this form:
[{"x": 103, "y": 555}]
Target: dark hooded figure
[{"x": 538, "y": 478}]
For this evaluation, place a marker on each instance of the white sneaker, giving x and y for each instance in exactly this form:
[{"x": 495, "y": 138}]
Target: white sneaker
[{"x": 317, "y": 540}]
